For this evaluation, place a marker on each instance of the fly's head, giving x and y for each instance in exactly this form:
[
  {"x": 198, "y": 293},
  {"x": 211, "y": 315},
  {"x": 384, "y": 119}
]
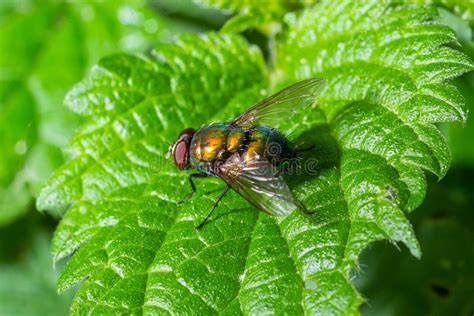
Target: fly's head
[{"x": 180, "y": 149}]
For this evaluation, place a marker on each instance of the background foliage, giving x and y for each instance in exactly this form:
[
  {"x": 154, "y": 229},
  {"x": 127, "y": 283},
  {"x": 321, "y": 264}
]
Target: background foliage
[{"x": 381, "y": 61}]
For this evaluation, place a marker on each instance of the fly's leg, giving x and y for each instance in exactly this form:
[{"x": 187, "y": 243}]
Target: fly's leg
[
  {"x": 213, "y": 207},
  {"x": 305, "y": 149},
  {"x": 193, "y": 187},
  {"x": 303, "y": 208}
]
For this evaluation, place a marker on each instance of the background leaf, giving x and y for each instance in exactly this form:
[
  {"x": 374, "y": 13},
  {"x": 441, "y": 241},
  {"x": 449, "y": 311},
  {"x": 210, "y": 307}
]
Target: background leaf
[
  {"x": 263, "y": 15},
  {"x": 463, "y": 9}
]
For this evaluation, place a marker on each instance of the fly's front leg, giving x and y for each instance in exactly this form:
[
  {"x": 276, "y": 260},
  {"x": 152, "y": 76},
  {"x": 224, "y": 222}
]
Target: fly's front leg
[
  {"x": 198, "y": 227},
  {"x": 193, "y": 187}
]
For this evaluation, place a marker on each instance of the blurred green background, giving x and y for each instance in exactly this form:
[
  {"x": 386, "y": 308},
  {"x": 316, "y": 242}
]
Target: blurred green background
[{"x": 47, "y": 46}]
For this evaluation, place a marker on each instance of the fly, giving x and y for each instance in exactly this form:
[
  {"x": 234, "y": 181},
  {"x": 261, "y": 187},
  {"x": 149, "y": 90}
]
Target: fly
[{"x": 247, "y": 152}]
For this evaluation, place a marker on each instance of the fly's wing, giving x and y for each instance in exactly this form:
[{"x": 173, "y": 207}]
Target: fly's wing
[
  {"x": 282, "y": 104},
  {"x": 259, "y": 183}
]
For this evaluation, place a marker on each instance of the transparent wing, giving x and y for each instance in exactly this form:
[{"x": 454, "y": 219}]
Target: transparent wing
[
  {"x": 282, "y": 104},
  {"x": 259, "y": 183}
]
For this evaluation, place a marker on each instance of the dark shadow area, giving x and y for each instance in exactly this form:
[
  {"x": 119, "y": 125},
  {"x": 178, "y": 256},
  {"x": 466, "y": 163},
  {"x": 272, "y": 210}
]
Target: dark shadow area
[
  {"x": 16, "y": 239},
  {"x": 441, "y": 291},
  {"x": 324, "y": 154}
]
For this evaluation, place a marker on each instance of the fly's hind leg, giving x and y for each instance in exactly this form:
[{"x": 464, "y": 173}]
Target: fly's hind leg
[
  {"x": 303, "y": 208},
  {"x": 305, "y": 149},
  {"x": 193, "y": 187},
  {"x": 198, "y": 227}
]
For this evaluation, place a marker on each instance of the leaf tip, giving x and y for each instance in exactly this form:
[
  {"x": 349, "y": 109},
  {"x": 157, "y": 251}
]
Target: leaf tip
[{"x": 415, "y": 250}]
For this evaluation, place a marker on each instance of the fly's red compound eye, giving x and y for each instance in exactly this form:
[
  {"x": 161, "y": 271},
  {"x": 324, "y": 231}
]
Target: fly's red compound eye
[
  {"x": 181, "y": 154},
  {"x": 180, "y": 149}
]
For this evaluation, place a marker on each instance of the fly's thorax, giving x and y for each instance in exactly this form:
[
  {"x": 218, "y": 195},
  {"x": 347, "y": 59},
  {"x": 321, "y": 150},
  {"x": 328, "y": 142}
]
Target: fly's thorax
[{"x": 209, "y": 143}]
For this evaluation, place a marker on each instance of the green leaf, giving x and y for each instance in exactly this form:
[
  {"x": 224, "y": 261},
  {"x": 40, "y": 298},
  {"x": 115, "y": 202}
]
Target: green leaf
[
  {"x": 59, "y": 42},
  {"x": 16, "y": 115},
  {"x": 135, "y": 251},
  {"x": 462, "y": 8}
]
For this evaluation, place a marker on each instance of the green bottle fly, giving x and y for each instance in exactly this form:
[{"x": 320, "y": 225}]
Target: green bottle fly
[{"x": 248, "y": 153}]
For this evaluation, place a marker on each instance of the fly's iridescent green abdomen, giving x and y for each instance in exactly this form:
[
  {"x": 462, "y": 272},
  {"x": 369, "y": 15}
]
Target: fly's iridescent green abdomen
[{"x": 216, "y": 142}]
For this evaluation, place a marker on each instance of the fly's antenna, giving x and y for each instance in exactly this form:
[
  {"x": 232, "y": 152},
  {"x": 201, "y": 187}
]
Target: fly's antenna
[{"x": 168, "y": 153}]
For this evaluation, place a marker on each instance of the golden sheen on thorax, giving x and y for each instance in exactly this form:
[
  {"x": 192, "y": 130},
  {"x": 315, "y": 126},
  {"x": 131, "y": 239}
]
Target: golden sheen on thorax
[{"x": 249, "y": 153}]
